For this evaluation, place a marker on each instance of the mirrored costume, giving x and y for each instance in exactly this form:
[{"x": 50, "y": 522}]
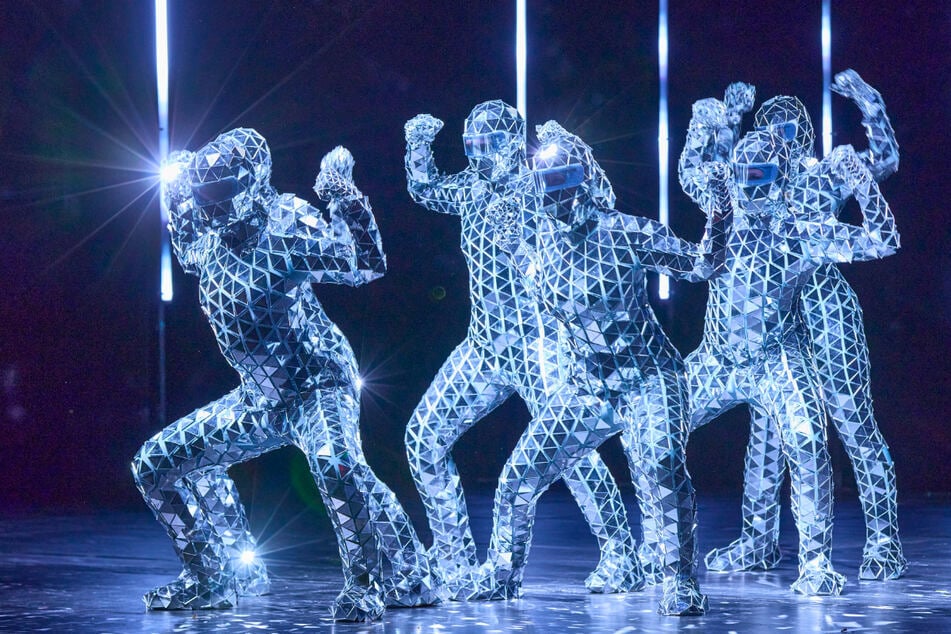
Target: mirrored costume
[
  {"x": 510, "y": 348},
  {"x": 833, "y": 320},
  {"x": 257, "y": 253},
  {"x": 755, "y": 349},
  {"x": 586, "y": 265}
]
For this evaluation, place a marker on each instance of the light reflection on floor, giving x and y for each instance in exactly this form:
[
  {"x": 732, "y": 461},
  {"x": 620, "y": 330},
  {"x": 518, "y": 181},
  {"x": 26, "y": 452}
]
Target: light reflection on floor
[{"x": 87, "y": 573}]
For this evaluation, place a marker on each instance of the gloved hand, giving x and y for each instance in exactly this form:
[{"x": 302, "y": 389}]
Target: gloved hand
[
  {"x": 335, "y": 179},
  {"x": 849, "y": 84},
  {"x": 549, "y": 131},
  {"x": 422, "y": 129},
  {"x": 710, "y": 114},
  {"x": 846, "y": 165},
  {"x": 738, "y": 99}
]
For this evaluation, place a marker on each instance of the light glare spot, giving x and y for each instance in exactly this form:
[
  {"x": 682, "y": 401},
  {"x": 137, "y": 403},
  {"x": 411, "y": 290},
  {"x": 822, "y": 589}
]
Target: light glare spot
[
  {"x": 170, "y": 172},
  {"x": 548, "y": 151}
]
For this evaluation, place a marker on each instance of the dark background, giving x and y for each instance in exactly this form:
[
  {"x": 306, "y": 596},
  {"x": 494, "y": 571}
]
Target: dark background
[{"x": 80, "y": 240}]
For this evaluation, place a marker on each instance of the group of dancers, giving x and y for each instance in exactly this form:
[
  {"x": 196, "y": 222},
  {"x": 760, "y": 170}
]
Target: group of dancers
[{"x": 560, "y": 316}]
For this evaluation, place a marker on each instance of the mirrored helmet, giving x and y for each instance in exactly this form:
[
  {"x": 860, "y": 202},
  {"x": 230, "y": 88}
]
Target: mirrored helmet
[
  {"x": 761, "y": 164},
  {"x": 228, "y": 175},
  {"x": 787, "y": 117},
  {"x": 494, "y": 140},
  {"x": 570, "y": 180}
]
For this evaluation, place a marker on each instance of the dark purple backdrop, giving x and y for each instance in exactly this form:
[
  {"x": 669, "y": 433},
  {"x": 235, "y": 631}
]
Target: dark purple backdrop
[{"x": 77, "y": 119}]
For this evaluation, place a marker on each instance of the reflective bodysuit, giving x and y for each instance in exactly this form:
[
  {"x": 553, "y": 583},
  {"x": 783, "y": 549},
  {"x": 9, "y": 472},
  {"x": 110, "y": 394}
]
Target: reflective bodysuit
[
  {"x": 257, "y": 253},
  {"x": 586, "y": 264},
  {"x": 510, "y": 348},
  {"x": 833, "y": 321},
  {"x": 755, "y": 350}
]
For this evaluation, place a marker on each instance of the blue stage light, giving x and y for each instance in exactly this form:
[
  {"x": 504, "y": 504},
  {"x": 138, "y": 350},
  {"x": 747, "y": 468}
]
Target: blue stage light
[
  {"x": 663, "y": 213},
  {"x": 161, "y": 84},
  {"x": 166, "y": 275},
  {"x": 521, "y": 56},
  {"x": 826, "y": 78}
]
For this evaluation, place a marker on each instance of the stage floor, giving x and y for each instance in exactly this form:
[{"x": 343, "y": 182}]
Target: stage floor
[{"x": 86, "y": 573}]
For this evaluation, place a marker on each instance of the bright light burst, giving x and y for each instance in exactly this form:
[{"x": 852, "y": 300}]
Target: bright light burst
[
  {"x": 170, "y": 172},
  {"x": 548, "y": 151}
]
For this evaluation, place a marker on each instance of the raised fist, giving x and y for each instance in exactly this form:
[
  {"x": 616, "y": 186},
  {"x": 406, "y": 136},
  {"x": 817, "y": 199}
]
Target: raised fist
[
  {"x": 549, "y": 131},
  {"x": 422, "y": 129},
  {"x": 846, "y": 164},
  {"x": 336, "y": 174},
  {"x": 710, "y": 113},
  {"x": 339, "y": 159},
  {"x": 849, "y": 84},
  {"x": 738, "y": 99}
]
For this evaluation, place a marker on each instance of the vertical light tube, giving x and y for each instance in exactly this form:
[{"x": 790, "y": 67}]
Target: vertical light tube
[
  {"x": 165, "y": 263},
  {"x": 161, "y": 72},
  {"x": 521, "y": 56},
  {"x": 161, "y": 82},
  {"x": 663, "y": 288},
  {"x": 826, "y": 77}
]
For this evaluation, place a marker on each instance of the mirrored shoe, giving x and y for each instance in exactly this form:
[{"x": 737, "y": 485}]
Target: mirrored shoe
[
  {"x": 358, "y": 603},
  {"x": 412, "y": 587},
  {"x": 744, "y": 554},
  {"x": 185, "y": 593},
  {"x": 817, "y": 578},
  {"x": 682, "y": 597},
  {"x": 493, "y": 583},
  {"x": 252, "y": 579},
  {"x": 458, "y": 579},
  {"x": 618, "y": 571},
  {"x": 883, "y": 561}
]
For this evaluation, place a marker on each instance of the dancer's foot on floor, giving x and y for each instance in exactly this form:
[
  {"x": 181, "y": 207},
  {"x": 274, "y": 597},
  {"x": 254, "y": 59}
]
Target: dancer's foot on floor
[
  {"x": 883, "y": 561},
  {"x": 185, "y": 593},
  {"x": 744, "y": 554},
  {"x": 817, "y": 578},
  {"x": 682, "y": 597}
]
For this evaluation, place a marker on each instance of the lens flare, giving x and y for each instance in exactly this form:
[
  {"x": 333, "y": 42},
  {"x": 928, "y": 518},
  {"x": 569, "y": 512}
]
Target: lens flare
[{"x": 170, "y": 172}]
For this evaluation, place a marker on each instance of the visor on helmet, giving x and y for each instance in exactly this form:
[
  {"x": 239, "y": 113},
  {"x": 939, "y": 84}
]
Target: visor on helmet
[
  {"x": 216, "y": 191},
  {"x": 786, "y": 130},
  {"x": 481, "y": 144},
  {"x": 553, "y": 179},
  {"x": 750, "y": 174}
]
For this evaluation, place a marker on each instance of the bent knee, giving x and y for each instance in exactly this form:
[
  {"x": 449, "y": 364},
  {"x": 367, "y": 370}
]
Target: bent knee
[
  {"x": 155, "y": 464},
  {"x": 146, "y": 465}
]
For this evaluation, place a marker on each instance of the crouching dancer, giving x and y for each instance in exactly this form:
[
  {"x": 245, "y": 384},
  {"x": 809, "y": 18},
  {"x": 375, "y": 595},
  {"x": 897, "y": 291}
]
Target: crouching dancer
[
  {"x": 832, "y": 318},
  {"x": 586, "y": 264},
  {"x": 511, "y": 348},
  {"x": 755, "y": 348},
  {"x": 256, "y": 253}
]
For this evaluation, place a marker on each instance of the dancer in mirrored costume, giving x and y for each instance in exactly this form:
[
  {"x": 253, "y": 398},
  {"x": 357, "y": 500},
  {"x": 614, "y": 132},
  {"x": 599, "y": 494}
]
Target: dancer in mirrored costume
[
  {"x": 586, "y": 264},
  {"x": 833, "y": 320},
  {"x": 755, "y": 349},
  {"x": 510, "y": 348},
  {"x": 257, "y": 253}
]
